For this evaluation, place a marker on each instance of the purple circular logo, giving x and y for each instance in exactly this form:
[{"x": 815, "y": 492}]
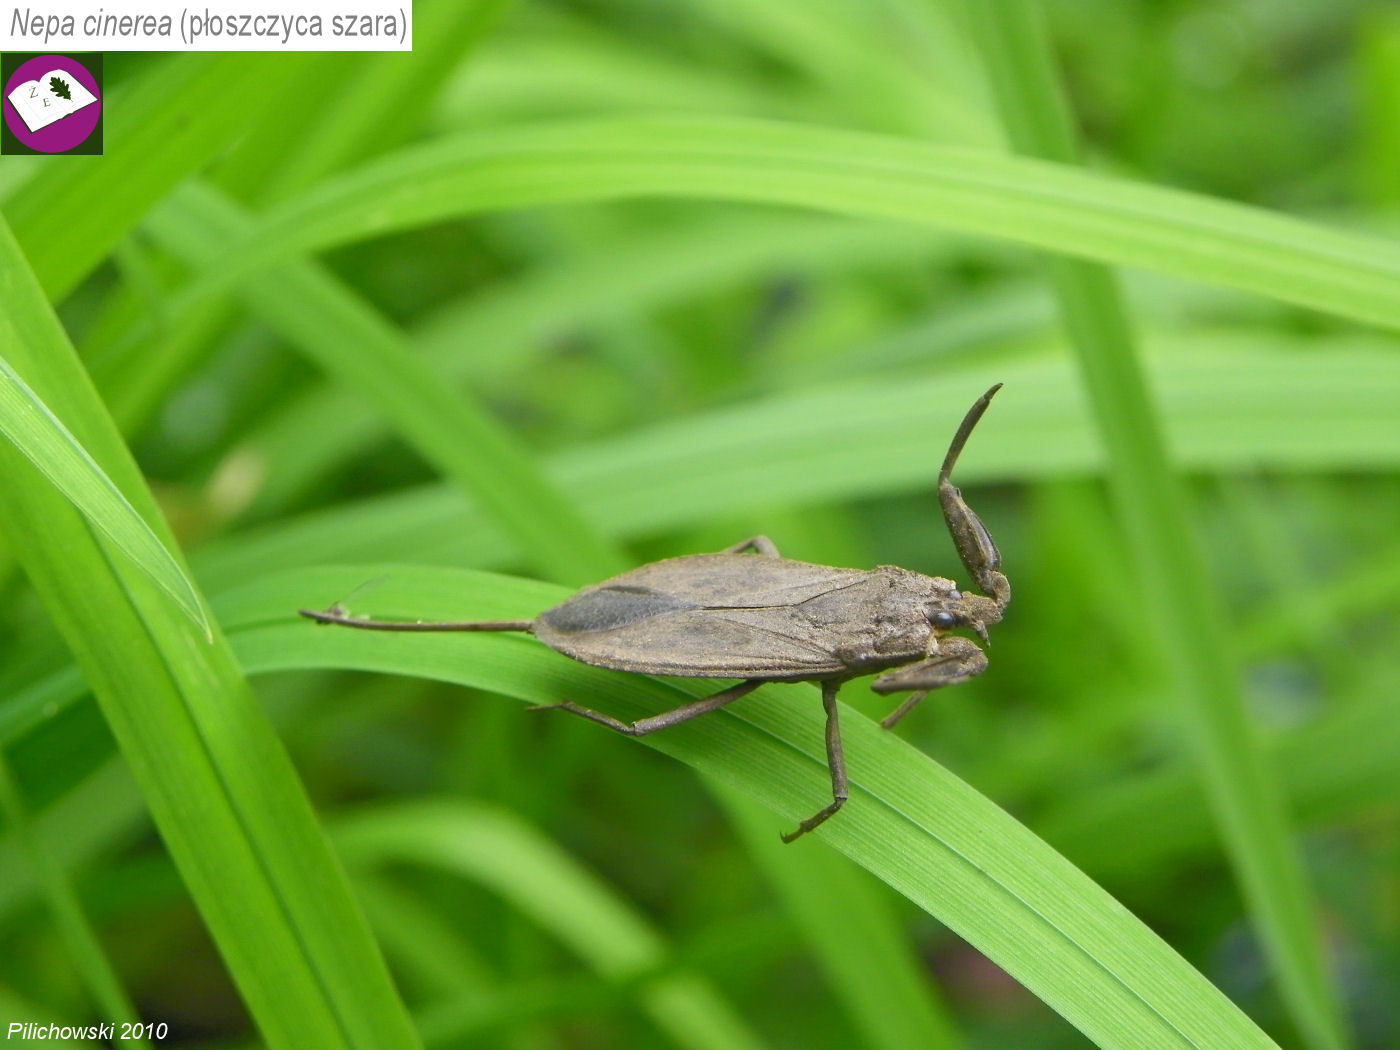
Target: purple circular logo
[{"x": 52, "y": 103}]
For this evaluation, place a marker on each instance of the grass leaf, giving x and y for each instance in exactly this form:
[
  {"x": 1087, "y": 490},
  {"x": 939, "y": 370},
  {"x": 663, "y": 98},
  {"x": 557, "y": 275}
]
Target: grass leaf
[
  {"x": 1184, "y": 609},
  {"x": 1026, "y": 201},
  {"x": 354, "y": 344},
  {"x": 178, "y": 114},
  {"x": 28, "y": 424},
  {"x": 506, "y": 855},
  {"x": 220, "y": 789},
  {"x": 910, "y": 822}
]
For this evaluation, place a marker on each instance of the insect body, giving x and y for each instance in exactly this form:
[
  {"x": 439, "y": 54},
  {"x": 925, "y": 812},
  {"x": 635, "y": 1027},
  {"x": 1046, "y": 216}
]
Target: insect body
[{"x": 764, "y": 618}]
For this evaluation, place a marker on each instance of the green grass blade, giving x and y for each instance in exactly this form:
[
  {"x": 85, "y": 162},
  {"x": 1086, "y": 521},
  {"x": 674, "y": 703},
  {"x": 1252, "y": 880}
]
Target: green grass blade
[
  {"x": 1184, "y": 608},
  {"x": 80, "y": 939},
  {"x": 1225, "y": 411},
  {"x": 28, "y": 424},
  {"x": 99, "y": 814},
  {"x": 503, "y": 853},
  {"x": 875, "y": 976},
  {"x": 218, "y": 784},
  {"x": 1378, "y": 56},
  {"x": 1341, "y": 769},
  {"x": 180, "y": 112},
  {"x": 17, "y": 1011},
  {"x": 350, "y": 341},
  {"x": 1026, "y": 201},
  {"x": 910, "y": 822},
  {"x": 507, "y": 327},
  {"x": 862, "y": 65},
  {"x": 365, "y": 115}
]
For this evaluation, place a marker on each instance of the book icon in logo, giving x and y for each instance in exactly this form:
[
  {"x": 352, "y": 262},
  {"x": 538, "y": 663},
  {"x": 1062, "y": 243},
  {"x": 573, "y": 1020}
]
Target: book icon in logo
[{"x": 49, "y": 99}]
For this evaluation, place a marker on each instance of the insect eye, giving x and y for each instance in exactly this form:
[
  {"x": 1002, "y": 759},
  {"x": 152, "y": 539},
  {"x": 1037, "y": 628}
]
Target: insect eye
[{"x": 944, "y": 620}]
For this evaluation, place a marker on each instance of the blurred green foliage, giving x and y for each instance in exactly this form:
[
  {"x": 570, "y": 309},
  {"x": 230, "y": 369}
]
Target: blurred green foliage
[{"x": 559, "y": 391}]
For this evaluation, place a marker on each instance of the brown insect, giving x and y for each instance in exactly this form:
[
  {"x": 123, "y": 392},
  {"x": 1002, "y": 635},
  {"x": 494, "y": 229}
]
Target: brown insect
[{"x": 764, "y": 618}]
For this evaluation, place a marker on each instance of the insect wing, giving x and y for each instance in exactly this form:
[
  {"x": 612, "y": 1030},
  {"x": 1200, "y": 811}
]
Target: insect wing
[
  {"x": 734, "y": 581},
  {"x": 699, "y": 643},
  {"x": 708, "y": 616}
]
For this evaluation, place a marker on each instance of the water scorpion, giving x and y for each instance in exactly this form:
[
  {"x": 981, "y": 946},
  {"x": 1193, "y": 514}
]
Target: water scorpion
[{"x": 749, "y": 613}]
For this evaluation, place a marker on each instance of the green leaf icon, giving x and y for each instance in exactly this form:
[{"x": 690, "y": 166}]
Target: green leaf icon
[{"x": 60, "y": 88}]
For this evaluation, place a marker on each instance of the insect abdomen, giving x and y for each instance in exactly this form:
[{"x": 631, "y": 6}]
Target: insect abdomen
[{"x": 606, "y": 608}]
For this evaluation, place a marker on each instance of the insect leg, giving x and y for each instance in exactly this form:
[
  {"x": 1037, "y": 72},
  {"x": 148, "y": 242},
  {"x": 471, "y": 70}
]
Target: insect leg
[
  {"x": 835, "y": 761},
  {"x": 338, "y": 616},
  {"x": 760, "y": 545},
  {"x": 666, "y": 719},
  {"x": 903, "y": 709},
  {"x": 975, "y": 547},
  {"x": 958, "y": 660}
]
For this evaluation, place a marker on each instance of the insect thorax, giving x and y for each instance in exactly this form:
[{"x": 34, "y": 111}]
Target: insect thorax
[{"x": 881, "y": 619}]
